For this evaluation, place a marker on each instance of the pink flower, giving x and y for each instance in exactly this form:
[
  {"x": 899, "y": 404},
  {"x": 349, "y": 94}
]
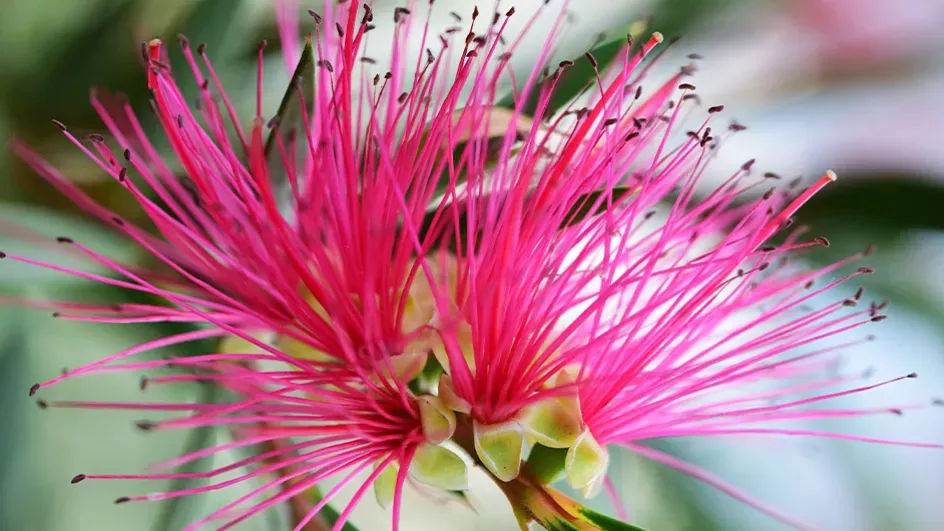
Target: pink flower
[{"x": 566, "y": 308}]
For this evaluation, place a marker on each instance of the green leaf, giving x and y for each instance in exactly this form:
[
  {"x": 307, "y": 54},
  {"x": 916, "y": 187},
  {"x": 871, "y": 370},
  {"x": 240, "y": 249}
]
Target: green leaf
[
  {"x": 51, "y": 224},
  {"x": 210, "y": 22},
  {"x": 18, "y": 484},
  {"x": 97, "y": 53},
  {"x": 574, "y": 79},
  {"x": 584, "y": 205},
  {"x": 175, "y": 513},
  {"x": 328, "y": 513},
  {"x": 290, "y": 119},
  {"x": 604, "y": 522},
  {"x": 887, "y": 202}
]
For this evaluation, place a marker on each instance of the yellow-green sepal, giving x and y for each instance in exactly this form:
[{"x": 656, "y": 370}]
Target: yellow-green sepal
[
  {"x": 499, "y": 448},
  {"x": 439, "y": 467},
  {"x": 586, "y": 464}
]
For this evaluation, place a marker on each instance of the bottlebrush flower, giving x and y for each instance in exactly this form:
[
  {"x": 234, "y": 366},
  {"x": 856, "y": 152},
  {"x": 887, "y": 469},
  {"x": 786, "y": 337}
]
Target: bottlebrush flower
[{"x": 525, "y": 257}]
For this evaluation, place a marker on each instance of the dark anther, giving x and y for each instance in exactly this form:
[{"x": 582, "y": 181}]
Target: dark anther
[
  {"x": 763, "y": 266},
  {"x": 591, "y": 58},
  {"x": 33, "y": 389},
  {"x": 123, "y": 499},
  {"x": 850, "y": 302},
  {"x": 314, "y": 14},
  {"x": 632, "y": 135},
  {"x": 695, "y": 56},
  {"x": 768, "y": 248},
  {"x": 716, "y": 108},
  {"x": 122, "y": 174},
  {"x": 144, "y": 425},
  {"x": 866, "y": 270},
  {"x": 768, "y": 194},
  {"x": 878, "y": 318},
  {"x": 510, "y": 12},
  {"x": 858, "y": 293},
  {"x": 896, "y": 411},
  {"x": 59, "y": 124},
  {"x": 565, "y": 64},
  {"x": 337, "y": 26},
  {"x": 869, "y": 249},
  {"x": 202, "y": 48},
  {"x": 42, "y": 404},
  {"x": 821, "y": 241},
  {"x": 78, "y": 479},
  {"x": 771, "y": 175},
  {"x": 911, "y": 375},
  {"x": 748, "y": 165},
  {"x": 399, "y": 13},
  {"x": 63, "y": 239},
  {"x": 686, "y": 86},
  {"x": 610, "y": 121}
]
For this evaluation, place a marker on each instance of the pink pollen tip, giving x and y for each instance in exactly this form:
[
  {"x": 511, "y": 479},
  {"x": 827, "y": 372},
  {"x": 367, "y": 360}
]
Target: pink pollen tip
[{"x": 831, "y": 175}]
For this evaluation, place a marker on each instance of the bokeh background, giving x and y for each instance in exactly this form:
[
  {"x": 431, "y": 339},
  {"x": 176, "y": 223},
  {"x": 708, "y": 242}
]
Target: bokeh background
[{"x": 852, "y": 85}]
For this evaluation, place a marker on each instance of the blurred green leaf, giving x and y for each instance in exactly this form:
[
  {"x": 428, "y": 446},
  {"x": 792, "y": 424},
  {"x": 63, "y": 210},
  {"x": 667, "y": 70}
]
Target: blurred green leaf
[
  {"x": 884, "y": 203},
  {"x": 100, "y": 53},
  {"x": 15, "y": 458},
  {"x": 48, "y": 225},
  {"x": 605, "y": 523},
  {"x": 585, "y": 203},
  {"x": 574, "y": 79},
  {"x": 290, "y": 123},
  {"x": 208, "y": 22},
  {"x": 177, "y": 513}
]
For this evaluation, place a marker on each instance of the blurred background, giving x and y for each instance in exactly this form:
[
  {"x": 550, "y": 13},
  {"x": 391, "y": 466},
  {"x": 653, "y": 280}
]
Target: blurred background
[{"x": 852, "y": 85}]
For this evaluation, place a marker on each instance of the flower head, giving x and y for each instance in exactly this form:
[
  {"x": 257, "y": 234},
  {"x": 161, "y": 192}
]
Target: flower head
[{"x": 573, "y": 288}]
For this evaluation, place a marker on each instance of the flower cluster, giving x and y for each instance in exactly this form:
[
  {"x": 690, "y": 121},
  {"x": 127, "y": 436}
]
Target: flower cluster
[{"x": 416, "y": 273}]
